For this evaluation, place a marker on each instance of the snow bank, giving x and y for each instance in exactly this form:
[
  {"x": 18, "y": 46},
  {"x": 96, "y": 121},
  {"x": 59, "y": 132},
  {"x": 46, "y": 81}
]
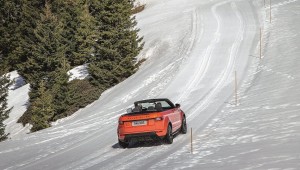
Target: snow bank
[{"x": 17, "y": 99}]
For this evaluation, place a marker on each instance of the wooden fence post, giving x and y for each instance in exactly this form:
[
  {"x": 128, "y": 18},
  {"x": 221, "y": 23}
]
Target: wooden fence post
[
  {"x": 236, "y": 97},
  {"x": 270, "y": 12},
  {"x": 191, "y": 141},
  {"x": 260, "y": 42}
]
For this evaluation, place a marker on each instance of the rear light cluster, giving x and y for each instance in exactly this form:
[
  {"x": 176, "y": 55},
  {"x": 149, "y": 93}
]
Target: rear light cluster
[
  {"x": 156, "y": 119},
  {"x": 159, "y": 118}
]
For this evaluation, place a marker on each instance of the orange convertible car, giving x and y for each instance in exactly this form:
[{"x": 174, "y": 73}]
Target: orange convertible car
[{"x": 153, "y": 118}]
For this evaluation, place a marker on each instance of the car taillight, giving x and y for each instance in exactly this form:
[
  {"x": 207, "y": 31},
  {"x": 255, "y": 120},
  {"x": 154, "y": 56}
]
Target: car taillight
[
  {"x": 159, "y": 118},
  {"x": 121, "y": 122}
]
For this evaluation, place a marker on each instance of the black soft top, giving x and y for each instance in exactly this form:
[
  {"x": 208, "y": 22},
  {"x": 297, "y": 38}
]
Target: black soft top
[{"x": 155, "y": 100}]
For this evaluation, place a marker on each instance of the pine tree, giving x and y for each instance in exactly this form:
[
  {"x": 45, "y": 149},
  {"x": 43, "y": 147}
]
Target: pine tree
[
  {"x": 45, "y": 49},
  {"x": 61, "y": 91},
  {"x": 4, "y": 111},
  {"x": 44, "y": 59},
  {"x": 118, "y": 43},
  {"x": 101, "y": 75},
  {"x": 9, "y": 36},
  {"x": 17, "y": 18},
  {"x": 42, "y": 108},
  {"x": 85, "y": 36},
  {"x": 67, "y": 11}
]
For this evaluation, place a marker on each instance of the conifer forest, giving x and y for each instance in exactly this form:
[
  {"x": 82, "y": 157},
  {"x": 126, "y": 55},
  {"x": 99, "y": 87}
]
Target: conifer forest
[{"x": 44, "y": 39}]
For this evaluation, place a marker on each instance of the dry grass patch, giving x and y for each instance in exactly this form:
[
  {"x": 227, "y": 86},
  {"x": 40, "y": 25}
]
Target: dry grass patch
[{"x": 138, "y": 8}]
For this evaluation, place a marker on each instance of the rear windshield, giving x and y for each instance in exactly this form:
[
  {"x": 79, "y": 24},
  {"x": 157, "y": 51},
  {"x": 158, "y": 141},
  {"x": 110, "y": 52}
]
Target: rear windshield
[{"x": 152, "y": 106}]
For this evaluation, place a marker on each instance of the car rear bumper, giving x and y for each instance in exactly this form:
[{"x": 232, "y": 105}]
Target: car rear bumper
[{"x": 141, "y": 136}]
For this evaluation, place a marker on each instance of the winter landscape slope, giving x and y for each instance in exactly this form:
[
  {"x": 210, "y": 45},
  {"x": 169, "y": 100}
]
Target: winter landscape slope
[{"x": 193, "y": 49}]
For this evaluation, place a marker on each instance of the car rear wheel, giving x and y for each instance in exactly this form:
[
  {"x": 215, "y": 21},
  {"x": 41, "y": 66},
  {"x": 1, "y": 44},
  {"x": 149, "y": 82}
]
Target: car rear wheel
[
  {"x": 123, "y": 144},
  {"x": 169, "y": 136},
  {"x": 183, "y": 126}
]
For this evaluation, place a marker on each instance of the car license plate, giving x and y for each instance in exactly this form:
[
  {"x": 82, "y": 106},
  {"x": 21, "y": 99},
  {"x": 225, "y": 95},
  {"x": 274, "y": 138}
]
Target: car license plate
[{"x": 139, "y": 123}]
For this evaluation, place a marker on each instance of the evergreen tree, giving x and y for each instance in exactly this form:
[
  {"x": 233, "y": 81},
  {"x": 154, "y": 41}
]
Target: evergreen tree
[
  {"x": 4, "y": 111},
  {"x": 68, "y": 12},
  {"x": 44, "y": 63},
  {"x": 101, "y": 75},
  {"x": 85, "y": 36},
  {"x": 9, "y": 35},
  {"x": 118, "y": 43},
  {"x": 61, "y": 91},
  {"x": 17, "y": 18},
  {"x": 45, "y": 52},
  {"x": 42, "y": 109}
]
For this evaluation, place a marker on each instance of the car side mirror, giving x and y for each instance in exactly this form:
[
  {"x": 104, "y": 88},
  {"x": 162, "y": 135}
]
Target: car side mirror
[
  {"x": 129, "y": 110},
  {"x": 177, "y": 105}
]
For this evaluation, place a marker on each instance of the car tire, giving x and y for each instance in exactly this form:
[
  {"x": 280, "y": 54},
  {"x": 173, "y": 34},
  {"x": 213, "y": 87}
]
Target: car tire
[
  {"x": 183, "y": 126},
  {"x": 169, "y": 136},
  {"x": 123, "y": 144}
]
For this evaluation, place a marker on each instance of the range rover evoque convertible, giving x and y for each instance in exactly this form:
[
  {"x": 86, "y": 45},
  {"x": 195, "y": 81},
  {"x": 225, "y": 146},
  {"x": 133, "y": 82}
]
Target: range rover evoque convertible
[{"x": 151, "y": 119}]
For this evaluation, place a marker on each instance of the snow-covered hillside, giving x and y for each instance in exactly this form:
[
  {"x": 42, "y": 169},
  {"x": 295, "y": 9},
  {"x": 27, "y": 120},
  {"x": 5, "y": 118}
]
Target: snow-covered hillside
[{"x": 193, "y": 49}]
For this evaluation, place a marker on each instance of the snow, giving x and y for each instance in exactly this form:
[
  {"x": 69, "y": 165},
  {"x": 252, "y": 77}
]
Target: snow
[
  {"x": 17, "y": 100},
  {"x": 193, "y": 49},
  {"x": 16, "y": 79},
  {"x": 79, "y": 72}
]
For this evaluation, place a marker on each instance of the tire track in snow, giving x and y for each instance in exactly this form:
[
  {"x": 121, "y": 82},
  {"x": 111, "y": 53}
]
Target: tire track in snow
[
  {"x": 106, "y": 158},
  {"x": 185, "y": 52},
  {"x": 70, "y": 146},
  {"x": 203, "y": 64},
  {"x": 201, "y": 72},
  {"x": 163, "y": 77},
  {"x": 283, "y": 3},
  {"x": 229, "y": 68}
]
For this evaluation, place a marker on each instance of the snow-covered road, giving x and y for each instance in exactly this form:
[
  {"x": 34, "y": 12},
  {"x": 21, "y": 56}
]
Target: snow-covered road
[{"x": 193, "y": 49}]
